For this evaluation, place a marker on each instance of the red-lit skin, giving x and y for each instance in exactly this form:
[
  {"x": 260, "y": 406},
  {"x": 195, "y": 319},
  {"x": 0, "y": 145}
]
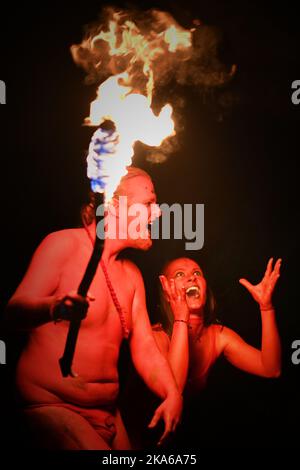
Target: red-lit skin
[
  {"x": 56, "y": 270},
  {"x": 184, "y": 272}
]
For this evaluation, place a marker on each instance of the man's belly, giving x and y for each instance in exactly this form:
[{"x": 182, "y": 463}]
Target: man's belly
[{"x": 39, "y": 379}]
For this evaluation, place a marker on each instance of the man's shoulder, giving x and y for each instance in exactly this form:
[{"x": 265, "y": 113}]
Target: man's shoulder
[
  {"x": 131, "y": 268},
  {"x": 131, "y": 271},
  {"x": 65, "y": 234},
  {"x": 61, "y": 240}
]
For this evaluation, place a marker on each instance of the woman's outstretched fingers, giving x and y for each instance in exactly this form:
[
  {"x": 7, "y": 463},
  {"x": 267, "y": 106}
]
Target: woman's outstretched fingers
[
  {"x": 269, "y": 267},
  {"x": 278, "y": 266},
  {"x": 246, "y": 284},
  {"x": 276, "y": 271}
]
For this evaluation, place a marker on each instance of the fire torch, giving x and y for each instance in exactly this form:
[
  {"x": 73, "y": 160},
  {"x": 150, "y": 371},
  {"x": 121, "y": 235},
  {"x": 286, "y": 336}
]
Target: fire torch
[{"x": 102, "y": 144}]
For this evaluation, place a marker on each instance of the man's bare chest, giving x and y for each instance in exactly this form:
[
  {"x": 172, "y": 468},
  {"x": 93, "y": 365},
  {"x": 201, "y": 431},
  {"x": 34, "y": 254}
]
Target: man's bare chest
[{"x": 103, "y": 309}]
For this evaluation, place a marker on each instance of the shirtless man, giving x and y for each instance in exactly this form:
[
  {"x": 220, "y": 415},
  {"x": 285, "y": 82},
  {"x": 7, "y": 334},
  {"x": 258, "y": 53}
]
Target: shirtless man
[{"x": 79, "y": 412}]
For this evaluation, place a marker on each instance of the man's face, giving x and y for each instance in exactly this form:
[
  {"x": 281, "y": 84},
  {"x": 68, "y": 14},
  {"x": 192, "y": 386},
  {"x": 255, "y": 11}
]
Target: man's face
[{"x": 142, "y": 210}]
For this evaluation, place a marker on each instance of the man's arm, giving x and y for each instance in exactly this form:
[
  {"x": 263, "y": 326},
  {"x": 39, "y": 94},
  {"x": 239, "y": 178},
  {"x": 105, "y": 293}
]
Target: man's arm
[
  {"x": 32, "y": 303},
  {"x": 150, "y": 363}
]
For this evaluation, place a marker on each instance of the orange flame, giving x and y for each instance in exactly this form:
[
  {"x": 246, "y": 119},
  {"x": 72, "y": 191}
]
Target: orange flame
[
  {"x": 134, "y": 120},
  {"x": 125, "y": 39},
  {"x": 177, "y": 39},
  {"x": 125, "y": 98}
]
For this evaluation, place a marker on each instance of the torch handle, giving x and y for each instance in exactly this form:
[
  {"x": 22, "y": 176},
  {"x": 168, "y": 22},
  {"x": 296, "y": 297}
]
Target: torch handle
[{"x": 66, "y": 360}]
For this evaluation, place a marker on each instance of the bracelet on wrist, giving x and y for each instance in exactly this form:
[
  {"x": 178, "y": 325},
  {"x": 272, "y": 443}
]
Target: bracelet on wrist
[
  {"x": 182, "y": 321},
  {"x": 265, "y": 309}
]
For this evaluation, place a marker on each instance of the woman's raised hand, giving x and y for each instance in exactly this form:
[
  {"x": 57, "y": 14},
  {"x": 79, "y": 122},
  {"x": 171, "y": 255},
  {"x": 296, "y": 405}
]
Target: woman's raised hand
[
  {"x": 176, "y": 297},
  {"x": 262, "y": 292}
]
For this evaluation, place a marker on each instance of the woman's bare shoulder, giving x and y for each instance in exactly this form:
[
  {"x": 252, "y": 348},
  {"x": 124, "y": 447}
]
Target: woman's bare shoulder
[
  {"x": 224, "y": 336},
  {"x": 217, "y": 328},
  {"x": 221, "y": 334}
]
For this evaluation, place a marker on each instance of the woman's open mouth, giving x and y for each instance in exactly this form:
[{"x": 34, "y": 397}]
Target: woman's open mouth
[{"x": 193, "y": 291}]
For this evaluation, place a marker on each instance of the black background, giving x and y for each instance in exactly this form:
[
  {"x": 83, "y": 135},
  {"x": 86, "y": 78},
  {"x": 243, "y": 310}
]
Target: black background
[{"x": 238, "y": 158}]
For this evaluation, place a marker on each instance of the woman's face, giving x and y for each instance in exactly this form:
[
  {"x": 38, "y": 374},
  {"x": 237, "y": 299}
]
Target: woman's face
[{"x": 187, "y": 274}]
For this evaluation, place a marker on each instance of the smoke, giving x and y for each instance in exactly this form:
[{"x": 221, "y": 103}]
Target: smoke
[{"x": 198, "y": 65}]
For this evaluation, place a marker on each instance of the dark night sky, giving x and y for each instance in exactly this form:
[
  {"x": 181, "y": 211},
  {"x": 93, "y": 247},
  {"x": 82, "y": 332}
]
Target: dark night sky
[{"x": 238, "y": 155}]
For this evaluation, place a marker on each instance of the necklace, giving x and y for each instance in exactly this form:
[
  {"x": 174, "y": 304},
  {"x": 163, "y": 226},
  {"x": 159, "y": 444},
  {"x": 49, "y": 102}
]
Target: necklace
[
  {"x": 111, "y": 290},
  {"x": 198, "y": 329}
]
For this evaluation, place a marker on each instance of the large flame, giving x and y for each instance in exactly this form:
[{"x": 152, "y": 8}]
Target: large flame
[
  {"x": 125, "y": 98},
  {"x": 131, "y": 113}
]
